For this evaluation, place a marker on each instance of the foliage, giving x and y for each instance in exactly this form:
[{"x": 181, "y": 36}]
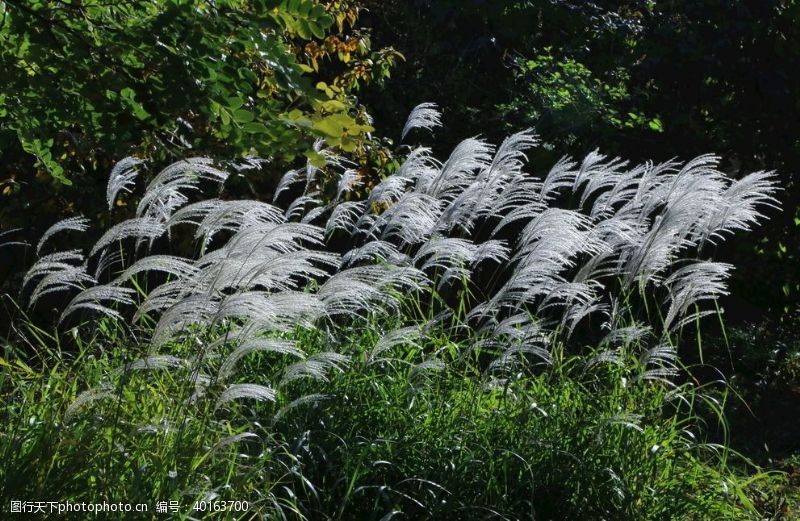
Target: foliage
[
  {"x": 562, "y": 96},
  {"x": 378, "y": 438},
  {"x": 686, "y": 63},
  {"x": 88, "y": 83},
  {"x": 763, "y": 364}
]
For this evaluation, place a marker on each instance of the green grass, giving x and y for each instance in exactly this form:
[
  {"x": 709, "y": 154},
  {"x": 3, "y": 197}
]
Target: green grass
[{"x": 566, "y": 441}]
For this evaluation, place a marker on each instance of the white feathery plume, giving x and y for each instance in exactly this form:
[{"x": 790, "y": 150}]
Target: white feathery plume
[
  {"x": 424, "y": 115},
  {"x": 314, "y": 214},
  {"x": 139, "y": 227},
  {"x": 5, "y": 244},
  {"x": 409, "y": 336},
  {"x": 445, "y": 252},
  {"x": 236, "y": 438},
  {"x": 741, "y": 203},
  {"x": 461, "y": 168},
  {"x": 354, "y": 290},
  {"x": 282, "y": 347},
  {"x": 167, "y": 191},
  {"x": 90, "y": 299},
  {"x": 108, "y": 259},
  {"x": 315, "y": 367},
  {"x": 176, "y": 266},
  {"x": 344, "y": 216},
  {"x": 190, "y": 310},
  {"x": 299, "y": 402},
  {"x": 627, "y": 335},
  {"x": 411, "y": 220},
  {"x": 90, "y": 395},
  {"x": 193, "y": 213},
  {"x": 298, "y": 207},
  {"x": 419, "y": 167},
  {"x": 51, "y": 263},
  {"x": 155, "y": 362},
  {"x": 510, "y": 357},
  {"x": 510, "y": 156},
  {"x": 690, "y": 284},
  {"x": 162, "y": 298},
  {"x": 614, "y": 191},
  {"x": 193, "y": 169},
  {"x": 659, "y": 363},
  {"x": 612, "y": 356},
  {"x": 121, "y": 179},
  {"x": 349, "y": 181},
  {"x": 561, "y": 175},
  {"x": 277, "y": 310},
  {"x": 245, "y": 391},
  {"x": 64, "y": 279},
  {"x": 388, "y": 191},
  {"x": 525, "y": 211},
  {"x": 373, "y": 252},
  {"x": 596, "y": 174},
  {"x": 235, "y": 215},
  {"x": 77, "y": 224},
  {"x": 289, "y": 178},
  {"x": 421, "y": 372}
]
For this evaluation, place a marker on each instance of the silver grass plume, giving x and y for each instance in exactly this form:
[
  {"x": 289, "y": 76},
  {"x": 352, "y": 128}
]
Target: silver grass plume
[
  {"x": 121, "y": 179},
  {"x": 282, "y": 347},
  {"x": 344, "y": 216},
  {"x": 299, "y": 402},
  {"x": 90, "y": 395},
  {"x": 424, "y": 115},
  {"x": 172, "y": 265},
  {"x": 374, "y": 252},
  {"x": 91, "y": 299},
  {"x": 64, "y": 279},
  {"x": 51, "y": 263},
  {"x": 245, "y": 391},
  {"x": 404, "y": 336},
  {"x": 139, "y": 227},
  {"x": 349, "y": 180},
  {"x": 702, "y": 280},
  {"x": 315, "y": 367},
  {"x": 166, "y": 192},
  {"x": 78, "y": 224},
  {"x": 155, "y": 362}
]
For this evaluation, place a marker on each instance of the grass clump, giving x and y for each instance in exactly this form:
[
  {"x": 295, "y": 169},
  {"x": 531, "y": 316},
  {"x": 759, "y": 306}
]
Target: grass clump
[{"x": 466, "y": 340}]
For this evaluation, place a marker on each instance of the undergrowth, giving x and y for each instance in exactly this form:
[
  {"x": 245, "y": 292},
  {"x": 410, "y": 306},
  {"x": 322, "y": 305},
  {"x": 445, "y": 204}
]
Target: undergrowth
[{"x": 377, "y": 440}]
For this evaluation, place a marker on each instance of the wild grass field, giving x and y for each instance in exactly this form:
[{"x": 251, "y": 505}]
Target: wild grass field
[{"x": 467, "y": 340}]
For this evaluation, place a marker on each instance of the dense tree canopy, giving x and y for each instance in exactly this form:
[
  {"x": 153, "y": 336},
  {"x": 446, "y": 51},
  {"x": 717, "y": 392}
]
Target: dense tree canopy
[{"x": 87, "y": 83}]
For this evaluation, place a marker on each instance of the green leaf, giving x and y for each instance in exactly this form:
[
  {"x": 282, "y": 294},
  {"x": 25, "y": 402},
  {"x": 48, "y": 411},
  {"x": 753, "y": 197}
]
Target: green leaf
[
  {"x": 235, "y": 102},
  {"x": 243, "y": 116},
  {"x": 317, "y": 30},
  {"x": 315, "y": 158},
  {"x": 254, "y": 128},
  {"x": 330, "y": 126}
]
